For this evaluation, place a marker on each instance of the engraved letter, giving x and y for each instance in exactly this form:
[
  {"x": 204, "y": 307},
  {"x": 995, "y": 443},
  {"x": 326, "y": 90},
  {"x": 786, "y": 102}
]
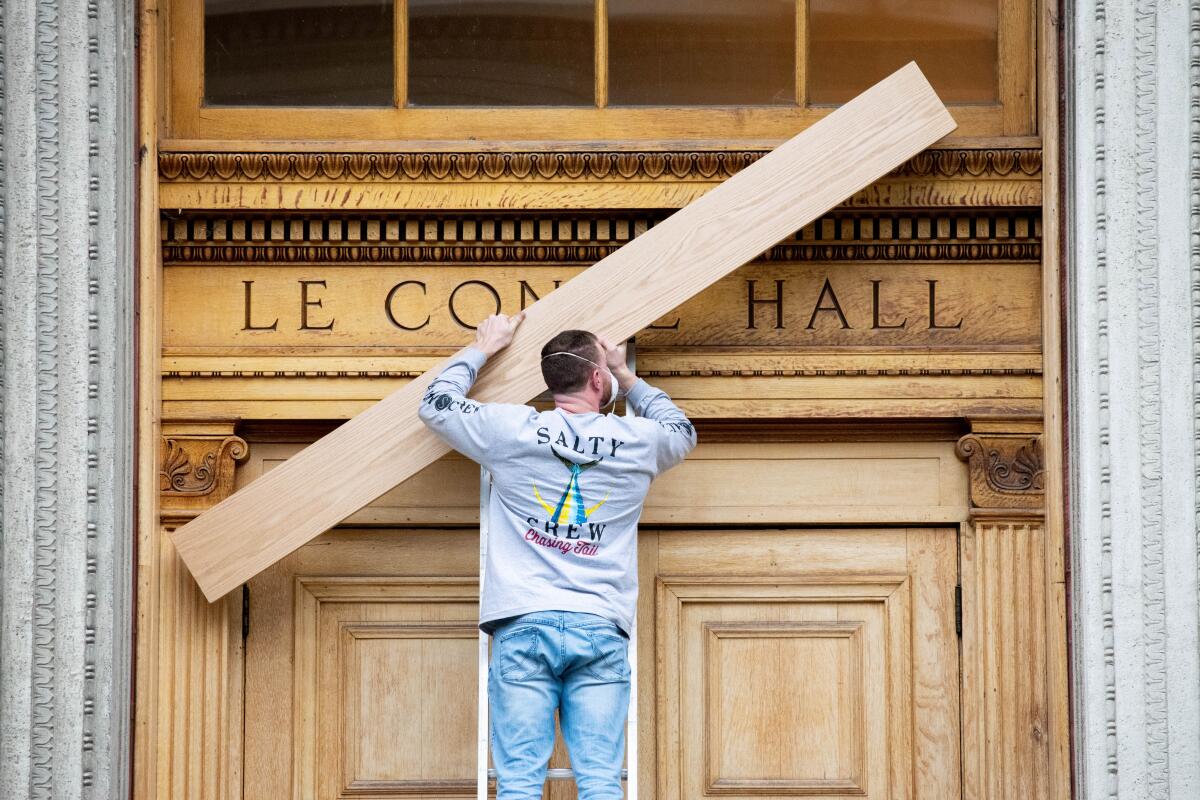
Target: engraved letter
[
  {"x": 876, "y": 324},
  {"x": 305, "y": 303},
  {"x": 250, "y": 326},
  {"x": 933, "y": 326},
  {"x": 827, "y": 290},
  {"x": 491, "y": 290},
  {"x": 387, "y": 306},
  {"x": 526, "y": 289},
  {"x": 752, "y": 301}
]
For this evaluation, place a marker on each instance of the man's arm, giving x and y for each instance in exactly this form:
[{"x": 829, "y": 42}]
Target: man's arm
[
  {"x": 676, "y": 436},
  {"x": 469, "y": 427}
]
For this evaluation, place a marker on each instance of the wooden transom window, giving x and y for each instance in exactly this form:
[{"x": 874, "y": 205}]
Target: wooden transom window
[{"x": 580, "y": 69}]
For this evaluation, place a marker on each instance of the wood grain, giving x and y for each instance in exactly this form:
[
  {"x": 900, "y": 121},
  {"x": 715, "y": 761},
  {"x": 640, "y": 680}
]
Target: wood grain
[
  {"x": 624, "y": 292},
  {"x": 1057, "y": 678}
]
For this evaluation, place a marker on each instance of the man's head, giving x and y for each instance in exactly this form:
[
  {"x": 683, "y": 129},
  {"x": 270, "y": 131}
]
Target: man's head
[{"x": 567, "y": 374}]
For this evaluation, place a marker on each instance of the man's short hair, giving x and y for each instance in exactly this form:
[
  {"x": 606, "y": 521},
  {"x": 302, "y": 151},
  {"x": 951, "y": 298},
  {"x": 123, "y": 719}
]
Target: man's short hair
[{"x": 564, "y": 374}]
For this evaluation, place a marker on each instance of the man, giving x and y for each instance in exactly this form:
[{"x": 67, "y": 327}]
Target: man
[{"x": 561, "y": 573}]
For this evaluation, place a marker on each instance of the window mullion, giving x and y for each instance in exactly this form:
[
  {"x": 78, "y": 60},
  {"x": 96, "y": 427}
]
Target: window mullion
[
  {"x": 801, "y": 53},
  {"x": 400, "y": 53},
  {"x": 601, "y": 53}
]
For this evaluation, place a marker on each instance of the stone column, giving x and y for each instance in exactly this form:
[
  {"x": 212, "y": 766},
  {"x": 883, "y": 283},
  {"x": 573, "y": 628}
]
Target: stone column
[
  {"x": 66, "y": 287},
  {"x": 1134, "y": 368}
]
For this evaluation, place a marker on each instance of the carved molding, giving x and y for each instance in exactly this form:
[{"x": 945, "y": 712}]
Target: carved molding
[
  {"x": 991, "y": 235},
  {"x": 1134, "y": 383},
  {"x": 1007, "y": 471},
  {"x": 651, "y": 373},
  {"x": 939, "y": 178},
  {"x": 506, "y": 254},
  {"x": 198, "y": 464},
  {"x": 66, "y": 304},
  {"x": 969, "y": 164}
]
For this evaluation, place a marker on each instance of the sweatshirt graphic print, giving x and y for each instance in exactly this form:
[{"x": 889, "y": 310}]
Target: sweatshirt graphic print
[{"x": 567, "y": 492}]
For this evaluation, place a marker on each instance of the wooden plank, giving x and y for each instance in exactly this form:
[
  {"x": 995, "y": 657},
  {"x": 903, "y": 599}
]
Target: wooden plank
[{"x": 621, "y": 294}]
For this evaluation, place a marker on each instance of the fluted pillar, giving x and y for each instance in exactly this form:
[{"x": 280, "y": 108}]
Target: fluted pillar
[{"x": 66, "y": 562}]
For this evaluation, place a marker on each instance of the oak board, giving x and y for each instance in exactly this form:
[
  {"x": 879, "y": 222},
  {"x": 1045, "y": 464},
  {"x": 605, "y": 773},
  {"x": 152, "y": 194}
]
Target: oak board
[{"x": 618, "y": 296}]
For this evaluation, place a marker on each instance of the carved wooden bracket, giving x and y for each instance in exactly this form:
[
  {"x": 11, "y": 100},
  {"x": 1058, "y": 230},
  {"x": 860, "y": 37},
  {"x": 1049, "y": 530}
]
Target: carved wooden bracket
[
  {"x": 197, "y": 464},
  {"x": 1007, "y": 471}
]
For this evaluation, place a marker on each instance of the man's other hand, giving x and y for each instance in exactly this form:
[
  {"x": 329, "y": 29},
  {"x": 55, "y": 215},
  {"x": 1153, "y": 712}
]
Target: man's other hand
[
  {"x": 496, "y": 332},
  {"x": 614, "y": 357}
]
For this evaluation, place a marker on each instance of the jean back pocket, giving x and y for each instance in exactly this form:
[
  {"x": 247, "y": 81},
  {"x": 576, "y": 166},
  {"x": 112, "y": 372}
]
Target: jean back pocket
[
  {"x": 517, "y": 653},
  {"x": 610, "y": 656}
]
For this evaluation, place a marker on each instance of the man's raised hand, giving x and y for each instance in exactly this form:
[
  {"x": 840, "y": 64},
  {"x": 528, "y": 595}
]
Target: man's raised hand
[
  {"x": 496, "y": 332},
  {"x": 614, "y": 357}
]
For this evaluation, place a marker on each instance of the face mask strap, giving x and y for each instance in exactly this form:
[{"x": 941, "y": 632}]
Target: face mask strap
[{"x": 572, "y": 355}]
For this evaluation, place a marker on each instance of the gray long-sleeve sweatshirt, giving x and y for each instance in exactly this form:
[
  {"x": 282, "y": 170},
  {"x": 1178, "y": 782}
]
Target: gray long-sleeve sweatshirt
[{"x": 567, "y": 492}]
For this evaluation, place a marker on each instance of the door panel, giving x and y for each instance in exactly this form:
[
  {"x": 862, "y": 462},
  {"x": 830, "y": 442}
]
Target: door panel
[
  {"x": 807, "y": 675},
  {"x": 787, "y": 687},
  {"x": 392, "y": 662},
  {"x": 773, "y": 663}
]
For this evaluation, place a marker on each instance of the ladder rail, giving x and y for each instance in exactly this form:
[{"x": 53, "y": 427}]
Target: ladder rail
[
  {"x": 484, "y": 733},
  {"x": 631, "y": 723},
  {"x": 484, "y": 774}
]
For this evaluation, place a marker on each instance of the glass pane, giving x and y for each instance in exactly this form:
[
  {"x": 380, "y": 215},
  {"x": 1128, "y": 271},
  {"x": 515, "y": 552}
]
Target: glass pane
[
  {"x": 701, "y": 52},
  {"x": 298, "y": 52},
  {"x": 501, "y": 53},
  {"x": 854, "y": 43}
]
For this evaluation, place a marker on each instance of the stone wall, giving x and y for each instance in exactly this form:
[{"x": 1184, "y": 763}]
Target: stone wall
[
  {"x": 66, "y": 282},
  {"x": 1134, "y": 320}
]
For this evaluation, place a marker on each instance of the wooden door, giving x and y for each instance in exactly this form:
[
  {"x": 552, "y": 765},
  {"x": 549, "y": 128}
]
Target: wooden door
[
  {"x": 774, "y": 663},
  {"x": 806, "y": 663}
]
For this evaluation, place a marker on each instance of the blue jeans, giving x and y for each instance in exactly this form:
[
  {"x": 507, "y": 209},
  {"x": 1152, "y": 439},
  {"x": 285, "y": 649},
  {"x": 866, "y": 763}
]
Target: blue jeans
[{"x": 577, "y": 663}]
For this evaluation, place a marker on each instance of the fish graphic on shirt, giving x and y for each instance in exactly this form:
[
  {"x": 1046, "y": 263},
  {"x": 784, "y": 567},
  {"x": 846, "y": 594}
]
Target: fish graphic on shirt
[{"x": 570, "y": 507}]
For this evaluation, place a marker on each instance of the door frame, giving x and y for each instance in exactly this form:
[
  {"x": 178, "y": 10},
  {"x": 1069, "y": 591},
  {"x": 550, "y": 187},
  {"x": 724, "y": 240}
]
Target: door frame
[{"x": 173, "y": 625}]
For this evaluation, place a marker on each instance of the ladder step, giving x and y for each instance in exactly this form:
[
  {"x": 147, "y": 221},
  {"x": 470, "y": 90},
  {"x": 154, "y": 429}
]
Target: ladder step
[{"x": 559, "y": 774}]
